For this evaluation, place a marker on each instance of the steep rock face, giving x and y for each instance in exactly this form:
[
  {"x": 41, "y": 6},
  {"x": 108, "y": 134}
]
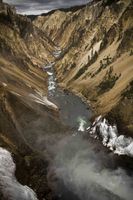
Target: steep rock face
[
  {"x": 96, "y": 60},
  {"x": 25, "y": 112},
  {"x": 24, "y": 49},
  {"x": 24, "y": 131}
]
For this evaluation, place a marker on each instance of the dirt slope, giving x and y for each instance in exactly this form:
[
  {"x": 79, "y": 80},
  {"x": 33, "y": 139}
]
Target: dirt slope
[
  {"x": 25, "y": 111},
  {"x": 97, "y": 54}
]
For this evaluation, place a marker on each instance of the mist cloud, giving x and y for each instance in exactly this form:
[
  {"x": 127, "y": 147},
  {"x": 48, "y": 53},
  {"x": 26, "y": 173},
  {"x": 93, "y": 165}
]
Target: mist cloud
[{"x": 90, "y": 173}]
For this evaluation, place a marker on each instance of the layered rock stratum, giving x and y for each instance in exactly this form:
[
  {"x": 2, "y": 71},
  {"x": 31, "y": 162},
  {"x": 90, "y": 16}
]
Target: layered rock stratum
[
  {"x": 97, "y": 55},
  {"x": 96, "y": 63},
  {"x": 24, "y": 50}
]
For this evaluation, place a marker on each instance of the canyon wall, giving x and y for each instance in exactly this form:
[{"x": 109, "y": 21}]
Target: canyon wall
[{"x": 97, "y": 55}]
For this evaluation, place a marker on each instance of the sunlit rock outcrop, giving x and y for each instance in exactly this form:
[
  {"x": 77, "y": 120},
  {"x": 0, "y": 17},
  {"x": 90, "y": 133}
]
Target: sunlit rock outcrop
[
  {"x": 96, "y": 60},
  {"x": 90, "y": 51}
]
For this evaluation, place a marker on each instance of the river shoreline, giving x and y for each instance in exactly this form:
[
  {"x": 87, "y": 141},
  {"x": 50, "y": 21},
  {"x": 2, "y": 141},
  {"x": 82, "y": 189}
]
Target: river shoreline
[
  {"x": 109, "y": 115},
  {"x": 61, "y": 145}
]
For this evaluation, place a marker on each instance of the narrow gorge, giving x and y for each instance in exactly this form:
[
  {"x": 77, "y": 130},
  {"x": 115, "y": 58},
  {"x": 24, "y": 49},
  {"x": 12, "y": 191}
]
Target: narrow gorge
[{"x": 66, "y": 102}]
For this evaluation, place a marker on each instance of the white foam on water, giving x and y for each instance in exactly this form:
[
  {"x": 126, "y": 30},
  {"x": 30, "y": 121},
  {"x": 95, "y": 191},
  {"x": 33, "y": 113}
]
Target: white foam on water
[
  {"x": 51, "y": 81},
  {"x": 119, "y": 144},
  {"x": 51, "y": 86},
  {"x": 11, "y": 189},
  {"x": 57, "y": 53},
  {"x": 49, "y": 73},
  {"x": 48, "y": 66}
]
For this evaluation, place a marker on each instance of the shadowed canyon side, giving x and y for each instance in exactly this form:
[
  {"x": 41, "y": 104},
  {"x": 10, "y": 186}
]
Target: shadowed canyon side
[
  {"x": 66, "y": 103},
  {"x": 24, "y": 49},
  {"x": 29, "y": 122},
  {"x": 25, "y": 111},
  {"x": 97, "y": 57}
]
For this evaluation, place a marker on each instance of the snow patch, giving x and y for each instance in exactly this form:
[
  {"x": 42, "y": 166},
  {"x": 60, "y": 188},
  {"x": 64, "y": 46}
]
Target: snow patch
[
  {"x": 9, "y": 186},
  {"x": 119, "y": 144},
  {"x": 94, "y": 49}
]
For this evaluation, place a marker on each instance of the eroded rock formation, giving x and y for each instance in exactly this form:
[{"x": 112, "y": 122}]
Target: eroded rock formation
[{"x": 96, "y": 62}]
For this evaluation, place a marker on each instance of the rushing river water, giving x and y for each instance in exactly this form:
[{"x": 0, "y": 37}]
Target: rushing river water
[
  {"x": 85, "y": 170},
  {"x": 72, "y": 111},
  {"x": 80, "y": 168}
]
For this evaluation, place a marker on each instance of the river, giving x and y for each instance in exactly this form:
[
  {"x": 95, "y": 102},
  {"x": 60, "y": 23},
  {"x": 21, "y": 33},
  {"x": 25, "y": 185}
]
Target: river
[
  {"x": 82, "y": 161},
  {"x": 72, "y": 111},
  {"x": 82, "y": 168}
]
